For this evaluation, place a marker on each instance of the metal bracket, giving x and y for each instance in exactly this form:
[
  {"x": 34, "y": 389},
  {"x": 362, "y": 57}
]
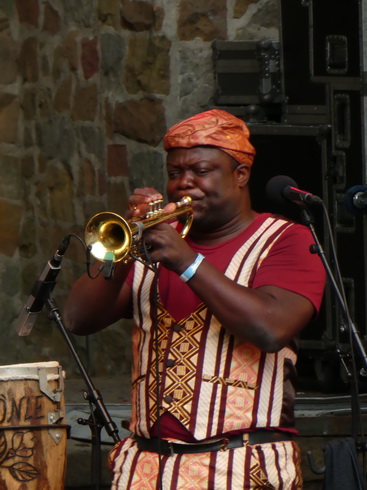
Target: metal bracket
[
  {"x": 55, "y": 395},
  {"x": 53, "y": 419}
]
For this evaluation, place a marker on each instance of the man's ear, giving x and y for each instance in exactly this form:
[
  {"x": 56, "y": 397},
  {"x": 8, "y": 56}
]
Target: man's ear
[{"x": 243, "y": 173}]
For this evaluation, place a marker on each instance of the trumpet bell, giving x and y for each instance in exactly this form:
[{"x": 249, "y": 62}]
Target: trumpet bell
[
  {"x": 112, "y": 238},
  {"x": 109, "y": 237}
]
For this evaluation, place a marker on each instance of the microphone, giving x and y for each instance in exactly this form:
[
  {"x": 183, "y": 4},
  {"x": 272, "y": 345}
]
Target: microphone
[
  {"x": 355, "y": 200},
  {"x": 40, "y": 291},
  {"x": 282, "y": 188}
]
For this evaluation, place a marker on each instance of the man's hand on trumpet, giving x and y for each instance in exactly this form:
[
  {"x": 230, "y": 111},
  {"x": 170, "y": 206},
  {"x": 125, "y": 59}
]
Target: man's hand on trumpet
[
  {"x": 141, "y": 198},
  {"x": 166, "y": 243}
]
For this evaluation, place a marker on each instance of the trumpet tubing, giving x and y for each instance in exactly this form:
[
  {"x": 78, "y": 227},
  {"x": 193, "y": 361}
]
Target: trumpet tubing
[{"x": 111, "y": 237}]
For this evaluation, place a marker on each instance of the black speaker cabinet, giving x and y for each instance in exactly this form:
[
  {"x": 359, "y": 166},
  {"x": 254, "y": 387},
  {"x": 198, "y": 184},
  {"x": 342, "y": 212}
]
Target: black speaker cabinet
[
  {"x": 317, "y": 136},
  {"x": 307, "y": 154}
]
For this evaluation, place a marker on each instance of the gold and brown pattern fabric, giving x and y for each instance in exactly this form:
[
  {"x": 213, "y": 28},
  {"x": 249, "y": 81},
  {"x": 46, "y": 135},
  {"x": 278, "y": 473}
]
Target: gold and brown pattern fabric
[{"x": 264, "y": 466}]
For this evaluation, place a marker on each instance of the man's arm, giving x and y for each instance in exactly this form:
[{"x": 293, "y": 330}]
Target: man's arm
[
  {"x": 93, "y": 304},
  {"x": 267, "y": 317}
]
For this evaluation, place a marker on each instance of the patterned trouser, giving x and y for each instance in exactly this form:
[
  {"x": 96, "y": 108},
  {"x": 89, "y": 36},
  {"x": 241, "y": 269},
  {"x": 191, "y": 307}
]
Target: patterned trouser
[{"x": 271, "y": 466}]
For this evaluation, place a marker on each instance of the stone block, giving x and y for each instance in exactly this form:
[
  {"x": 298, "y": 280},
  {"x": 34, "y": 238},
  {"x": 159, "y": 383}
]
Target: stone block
[
  {"x": 62, "y": 100},
  {"x": 28, "y": 12},
  {"x": 117, "y": 165},
  {"x": 70, "y": 49},
  {"x": 29, "y": 104},
  {"x": 195, "y": 62},
  {"x": 28, "y": 60},
  {"x": 56, "y": 138},
  {"x": 27, "y": 245},
  {"x": 51, "y": 21},
  {"x": 27, "y": 167},
  {"x": 109, "y": 13},
  {"x": 102, "y": 183},
  {"x": 8, "y": 58},
  {"x": 148, "y": 65},
  {"x": 147, "y": 169},
  {"x": 141, "y": 120},
  {"x": 117, "y": 197},
  {"x": 10, "y": 278},
  {"x": 89, "y": 57},
  {"x": 92, "y": 138},
  {"x": 137, "y": 15},
  {"x": 44, "y": 101},
  {"x": 10, "y": 177},
  {"x": 109, "y": 118},
  {"x": 9, "y": 118},
  {"x": 81, "y": 13},
  {"x": 85, "y": 104},
  {"x": 86, "y": 179},
  {"x": 10, "y": 218},
  {"x": 112, "y": 55},
  {"x": 28, "y": 139},
  {"x": 60, "y": 192},
  {"x": 206, "y": 19}
]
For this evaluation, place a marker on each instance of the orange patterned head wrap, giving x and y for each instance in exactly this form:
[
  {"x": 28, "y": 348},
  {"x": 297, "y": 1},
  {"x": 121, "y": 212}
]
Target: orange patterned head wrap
[{"x": 213, "y": 128}]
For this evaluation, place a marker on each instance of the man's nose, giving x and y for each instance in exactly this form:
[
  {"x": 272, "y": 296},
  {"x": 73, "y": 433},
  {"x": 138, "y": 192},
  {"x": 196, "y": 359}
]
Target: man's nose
[{"x": 187, "y": 179}]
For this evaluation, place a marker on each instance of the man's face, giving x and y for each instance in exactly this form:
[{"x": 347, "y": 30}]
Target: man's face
[{"x": 208, "y": 175}]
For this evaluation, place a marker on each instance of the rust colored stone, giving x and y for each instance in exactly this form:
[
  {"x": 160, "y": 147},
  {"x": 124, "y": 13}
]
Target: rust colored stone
[
  {"x": 85, "y": 103},
  {"x": 28, "y": 12},
  {"x": 89, "y": 57},
  {"x": 8, "y": 57},
  {"x": 141, "y": 120},
  {"x": 9, "y": 117},
  {"x": 52, "y": 21},
  {"x": 137, "y": 15},
  {"x": 117, "y": 165},
  {"x": 28, "y": 60}
]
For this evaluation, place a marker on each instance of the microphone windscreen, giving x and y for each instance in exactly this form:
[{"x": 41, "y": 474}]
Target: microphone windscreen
[
  {"x": 349, "y": 200},
  {"x": 275, "y": 187}
]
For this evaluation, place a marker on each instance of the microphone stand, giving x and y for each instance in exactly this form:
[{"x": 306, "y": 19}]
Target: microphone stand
[
  {"x": 308, "y": 220},
  {"x": 100, "y": 417}
]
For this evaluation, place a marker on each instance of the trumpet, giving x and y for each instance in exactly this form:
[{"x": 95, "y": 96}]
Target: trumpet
[{"x": 112, "y": 238}]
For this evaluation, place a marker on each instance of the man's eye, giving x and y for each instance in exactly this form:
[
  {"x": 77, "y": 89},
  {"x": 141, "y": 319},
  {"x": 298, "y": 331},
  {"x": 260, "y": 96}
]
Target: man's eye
[
  {"x": 202, "y": 171},
  {"x": 173, "y": 174}
]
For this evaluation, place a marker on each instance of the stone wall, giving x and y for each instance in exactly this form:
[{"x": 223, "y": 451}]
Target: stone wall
[{"x": 87, "y": 89}]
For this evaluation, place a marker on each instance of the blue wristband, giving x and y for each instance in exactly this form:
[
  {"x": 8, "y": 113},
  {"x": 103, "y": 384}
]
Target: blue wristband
[{"x": 191, "y": 270}]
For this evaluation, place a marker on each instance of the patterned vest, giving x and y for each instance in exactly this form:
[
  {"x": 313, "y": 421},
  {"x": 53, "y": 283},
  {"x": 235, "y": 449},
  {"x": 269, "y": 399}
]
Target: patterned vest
[{"x": 212, "y": 382}]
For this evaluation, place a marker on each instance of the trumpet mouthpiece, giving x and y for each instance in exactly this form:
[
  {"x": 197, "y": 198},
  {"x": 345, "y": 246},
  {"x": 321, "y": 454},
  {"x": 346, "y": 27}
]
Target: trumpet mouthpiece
[{"x": 185, "y": 201}]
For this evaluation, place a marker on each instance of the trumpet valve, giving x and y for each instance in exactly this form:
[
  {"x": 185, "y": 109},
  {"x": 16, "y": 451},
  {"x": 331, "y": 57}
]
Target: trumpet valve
[{"x": 155, "y": 209}]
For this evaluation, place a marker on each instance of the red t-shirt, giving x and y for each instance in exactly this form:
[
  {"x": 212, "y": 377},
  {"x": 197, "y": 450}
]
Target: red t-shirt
[{"x": 290, "y": 265}]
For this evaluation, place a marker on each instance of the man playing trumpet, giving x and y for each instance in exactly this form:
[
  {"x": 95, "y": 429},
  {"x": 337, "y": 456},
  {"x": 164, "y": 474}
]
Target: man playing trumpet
[{"x": 218, "y": 321}]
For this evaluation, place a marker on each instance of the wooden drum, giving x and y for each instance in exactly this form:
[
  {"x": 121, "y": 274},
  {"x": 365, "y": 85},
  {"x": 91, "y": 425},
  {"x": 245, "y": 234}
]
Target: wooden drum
[{"x": 33, "y": 433}]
